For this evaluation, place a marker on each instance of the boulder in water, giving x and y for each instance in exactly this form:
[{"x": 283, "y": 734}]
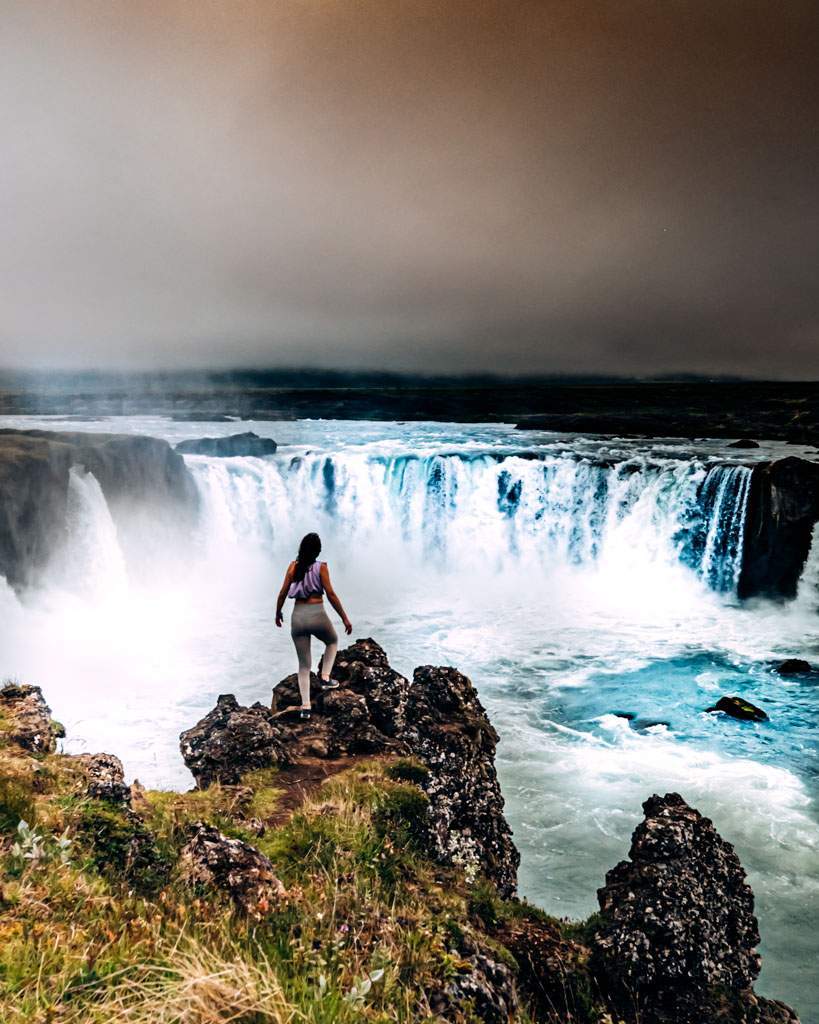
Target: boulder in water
[
  {"x": 794, "y": 667},
  {"x": 678, "y": 934},
  {"x": 229, "y": 447},
  {"x": 232, "y": 866},
  {"x": 744, "y": 442},
  {"x": 737, "y": 707}
]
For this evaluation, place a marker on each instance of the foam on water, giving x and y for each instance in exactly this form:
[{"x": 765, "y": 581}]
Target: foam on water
[{"x": 571, "y": 578}]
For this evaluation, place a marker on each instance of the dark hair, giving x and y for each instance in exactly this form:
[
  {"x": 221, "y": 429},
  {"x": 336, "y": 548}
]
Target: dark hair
[{"x": 309, "y": 550}]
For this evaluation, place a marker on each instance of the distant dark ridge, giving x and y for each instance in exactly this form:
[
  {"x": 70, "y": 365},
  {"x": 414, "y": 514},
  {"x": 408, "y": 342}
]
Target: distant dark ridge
[{"x": 694, "y": 408}]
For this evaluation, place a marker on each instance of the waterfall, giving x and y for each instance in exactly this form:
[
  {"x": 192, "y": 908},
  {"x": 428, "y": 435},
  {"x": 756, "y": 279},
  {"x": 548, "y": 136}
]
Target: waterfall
[
  {"x": 723, "y": 505},
  {"x": 485, "y": 510},
  {"x": 92, "y": 562}
]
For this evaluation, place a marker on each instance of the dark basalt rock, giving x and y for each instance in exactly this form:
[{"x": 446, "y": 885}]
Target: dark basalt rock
[
  {"x": 364, "y": 716},
  {"x": 485, "y": 990},
  {"x": 232, "y": 740},
  {"x": 146, "y": 484},
  {"x": 27, "y": 719},
  {"x": 437, "y": 718},
  {"x": 229, "y": 447},
  {"x": 678, "y": 936},
  {"x": 233, "y": 867},
  {"x": 783, "y": 505},
  {"x": 736, "y": 707},
  {"x": 794, "y": 667},
  {"x": 744, "y": 442},
  {"x": 449, "y": 731},
  {"x": 106, "y": 777}
]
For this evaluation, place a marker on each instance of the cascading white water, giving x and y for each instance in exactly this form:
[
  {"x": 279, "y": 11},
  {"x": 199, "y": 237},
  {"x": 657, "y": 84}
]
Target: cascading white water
[
  {"x": 485, "y": 511},
  {"x": 91, "y": 561}
]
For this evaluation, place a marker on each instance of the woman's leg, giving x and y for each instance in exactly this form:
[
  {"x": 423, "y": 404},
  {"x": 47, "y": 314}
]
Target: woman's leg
[
  {"x": 300, "y": 632},
  {"x": 324, "y": 631},
  {"x": 303, "y": 651}
]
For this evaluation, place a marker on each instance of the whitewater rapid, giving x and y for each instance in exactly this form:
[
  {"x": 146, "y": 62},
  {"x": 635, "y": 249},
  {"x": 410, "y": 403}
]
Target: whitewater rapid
[{"x": 578, "y": 581}]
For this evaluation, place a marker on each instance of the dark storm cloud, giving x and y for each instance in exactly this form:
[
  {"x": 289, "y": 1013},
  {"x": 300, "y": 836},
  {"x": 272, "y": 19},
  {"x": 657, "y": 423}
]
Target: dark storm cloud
[{"x": 622, "y": 186}]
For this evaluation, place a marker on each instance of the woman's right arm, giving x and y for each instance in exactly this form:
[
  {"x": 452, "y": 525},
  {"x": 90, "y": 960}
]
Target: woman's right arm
[
  {"x": 334, "y": 599},
  {"x": 288, "y": 579}
]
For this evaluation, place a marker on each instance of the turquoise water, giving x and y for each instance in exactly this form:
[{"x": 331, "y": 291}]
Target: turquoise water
[{"x": 576, "y": 580}]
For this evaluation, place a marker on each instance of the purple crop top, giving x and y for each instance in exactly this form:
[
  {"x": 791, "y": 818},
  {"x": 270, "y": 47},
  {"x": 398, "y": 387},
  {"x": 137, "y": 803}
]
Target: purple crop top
[{"x": 311, "y": 585}]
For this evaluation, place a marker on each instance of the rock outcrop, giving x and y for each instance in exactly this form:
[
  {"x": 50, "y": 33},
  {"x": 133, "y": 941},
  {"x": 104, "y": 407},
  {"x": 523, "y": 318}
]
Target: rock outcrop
[
  {"x": 105, "y": 778},
  {"x": 449, "y": 731},
  {"x": 229, "y": 447},
  {"x": 678, "y": 936},
  {"x": 438, "y": 718},
  {"x": 737, "y": 707},
  {"x": 783, "y": 506},
  {"x": 27, "y": 719},
  {"x": 145, "y": 483},
  {"x": 232, "y": 866},
  {"x": 232, "y": 740}
]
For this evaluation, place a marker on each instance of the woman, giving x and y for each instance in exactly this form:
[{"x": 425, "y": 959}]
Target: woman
[{"x": 306, "y": 580}]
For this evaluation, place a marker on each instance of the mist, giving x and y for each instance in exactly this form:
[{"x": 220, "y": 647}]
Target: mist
[{"x": 578, "y": 187}]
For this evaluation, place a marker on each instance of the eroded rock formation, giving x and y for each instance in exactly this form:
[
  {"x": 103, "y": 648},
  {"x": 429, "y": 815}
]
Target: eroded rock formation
[
  {"x": 231, "y": 740},
  {"x": 678, "y": 936}
]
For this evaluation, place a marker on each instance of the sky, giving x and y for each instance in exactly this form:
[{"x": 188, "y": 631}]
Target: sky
[{"x": 588, "y": 186}]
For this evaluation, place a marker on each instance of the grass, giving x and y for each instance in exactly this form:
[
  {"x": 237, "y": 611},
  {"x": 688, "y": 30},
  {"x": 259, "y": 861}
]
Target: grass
[{"x": 103, "y": 929}]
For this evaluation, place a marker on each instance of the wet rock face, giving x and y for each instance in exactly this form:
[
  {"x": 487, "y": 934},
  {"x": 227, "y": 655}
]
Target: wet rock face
[
  {"x": 229, "y": 447},
  {"x": 783, "y": 505},
  {"x": 145, "y": 482},
  {"x": 106, "y": 778},
  {"x": 235, "y": 868},
  {"x": 678, "y": 933},
  {"x": 232, "y": 740},
  {"x": 27, "y": 719}
]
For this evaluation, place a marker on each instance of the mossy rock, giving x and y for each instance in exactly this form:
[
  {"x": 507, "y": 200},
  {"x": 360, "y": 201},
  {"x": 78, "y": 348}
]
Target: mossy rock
[{"x": 121, "y": 847}]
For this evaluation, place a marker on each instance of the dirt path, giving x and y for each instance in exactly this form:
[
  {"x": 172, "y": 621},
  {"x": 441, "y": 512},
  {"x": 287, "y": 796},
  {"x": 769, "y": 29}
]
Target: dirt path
[{"x": 301, "y": 780}]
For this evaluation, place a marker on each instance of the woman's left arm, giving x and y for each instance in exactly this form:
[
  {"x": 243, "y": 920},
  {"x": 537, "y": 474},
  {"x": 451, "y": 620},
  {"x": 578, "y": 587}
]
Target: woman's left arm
[{"x": 288, "y": 579}]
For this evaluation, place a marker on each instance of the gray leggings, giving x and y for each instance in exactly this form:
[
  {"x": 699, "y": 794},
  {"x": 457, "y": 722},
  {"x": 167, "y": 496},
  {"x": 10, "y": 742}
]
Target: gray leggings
[{"x": 310, "y": 620}]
